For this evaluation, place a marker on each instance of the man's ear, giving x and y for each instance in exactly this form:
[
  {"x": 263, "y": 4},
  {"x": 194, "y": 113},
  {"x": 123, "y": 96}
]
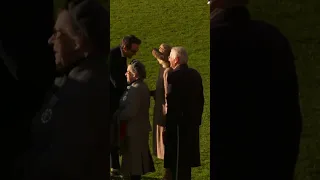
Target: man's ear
[
  {"x": 134, "y": 75},
  {"x": 176, "y": 60},
  {"x": 124, "y": 48}
]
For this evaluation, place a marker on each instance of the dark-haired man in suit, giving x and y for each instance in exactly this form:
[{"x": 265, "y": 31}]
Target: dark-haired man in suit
[{"x": 118, "y": 67}]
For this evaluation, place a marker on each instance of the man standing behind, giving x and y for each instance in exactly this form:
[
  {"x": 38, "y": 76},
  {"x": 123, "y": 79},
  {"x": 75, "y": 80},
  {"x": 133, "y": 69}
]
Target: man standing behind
[
  {"x": 118, "y": 67},
  {"x": 70, "y": 134},
  {"x": 185, "y": 103}
]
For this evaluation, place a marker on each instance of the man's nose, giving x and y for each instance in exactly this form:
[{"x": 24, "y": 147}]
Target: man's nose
[{"x": 50, "y": 40}]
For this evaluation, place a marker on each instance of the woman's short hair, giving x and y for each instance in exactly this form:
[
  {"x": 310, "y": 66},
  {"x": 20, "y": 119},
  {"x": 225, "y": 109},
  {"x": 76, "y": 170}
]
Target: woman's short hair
[{"x": 138, "y": 68}]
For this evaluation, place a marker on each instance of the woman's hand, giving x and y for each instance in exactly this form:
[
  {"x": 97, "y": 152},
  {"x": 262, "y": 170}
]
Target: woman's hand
[{"x": 164, "y": 109}]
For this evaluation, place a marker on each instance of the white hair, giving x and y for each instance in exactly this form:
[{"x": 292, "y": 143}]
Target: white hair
[{"x": 181, "y": 53}]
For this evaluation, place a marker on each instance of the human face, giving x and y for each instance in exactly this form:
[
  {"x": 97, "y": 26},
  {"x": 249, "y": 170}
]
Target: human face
[
  {"x": 173, "y": 60},
  {"x": 130, "y": 75},
  {"x": 129, "y": 53},
  {"x": 63, "y": 44}
]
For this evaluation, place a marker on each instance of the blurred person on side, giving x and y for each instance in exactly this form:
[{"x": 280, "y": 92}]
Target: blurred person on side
[
  {"x": 28, "y": 71},
  {"x": 71, "y": 133},
  {"x": 255, "y": 111}
]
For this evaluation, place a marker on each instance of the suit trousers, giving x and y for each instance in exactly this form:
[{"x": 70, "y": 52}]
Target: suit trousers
[
  {"x": 182, "y": 173},
  {"x": 114, "y": 158}
]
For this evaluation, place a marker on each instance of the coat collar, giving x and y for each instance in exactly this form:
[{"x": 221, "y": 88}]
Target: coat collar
[
  {"x": 134, "y": 83},
  {"x": 182, "y": 66},
  {"x": 79, "y": 69},
  {"x": 138, "y": 81},
  {"x": 122, "y": 55}
]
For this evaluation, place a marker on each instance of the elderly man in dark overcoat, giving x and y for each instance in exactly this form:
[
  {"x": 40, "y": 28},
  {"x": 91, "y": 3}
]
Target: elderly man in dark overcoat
[
  {"x": 185, "y": 103},
  {"x": 255, "y": 111},
  {"x": 71, "y": 133}
]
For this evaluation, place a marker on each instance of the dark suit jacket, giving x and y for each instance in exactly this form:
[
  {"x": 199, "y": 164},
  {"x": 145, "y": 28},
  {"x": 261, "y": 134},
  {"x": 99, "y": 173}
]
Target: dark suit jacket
[
  {"x": 185, "y": 107},
  {"x": 256, "y": 118},
  {"x": 71, "y": 132},
  {"x": 118, "y": 68}
]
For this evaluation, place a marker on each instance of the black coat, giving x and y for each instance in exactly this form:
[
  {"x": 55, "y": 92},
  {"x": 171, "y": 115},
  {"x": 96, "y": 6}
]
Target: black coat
[
  {"x": 185, "y": 107},
  {"x": 25, "y": 76},
  {"x": 70, "y": 133},
  {"x": 118, "y": 85},
  {"x": 255, "y": 111},
  {"x": 118, "y": 68}
]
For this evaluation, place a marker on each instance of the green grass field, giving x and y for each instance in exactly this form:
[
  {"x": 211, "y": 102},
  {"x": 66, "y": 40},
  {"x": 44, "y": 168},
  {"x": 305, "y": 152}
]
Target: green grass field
[
  {"x": 186, "y": 23},
  {"x": 167, "y": 22}
]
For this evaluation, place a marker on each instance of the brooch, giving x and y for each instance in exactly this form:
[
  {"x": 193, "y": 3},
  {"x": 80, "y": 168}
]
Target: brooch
[{"x": 46, "y": 116}]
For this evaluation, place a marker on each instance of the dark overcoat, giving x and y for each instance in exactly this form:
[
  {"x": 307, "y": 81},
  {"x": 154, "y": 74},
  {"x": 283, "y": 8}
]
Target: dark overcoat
[
  {"x": 185, "y": 103},
  {"x": 118, "y": 68},
  {"x": 71, "y": 132},
  {"x": 27, "y": 72},
  {"x": 118, "y": 85},
  {"x": 134, "y": 111},
  {"x": 255, "y": 112}
]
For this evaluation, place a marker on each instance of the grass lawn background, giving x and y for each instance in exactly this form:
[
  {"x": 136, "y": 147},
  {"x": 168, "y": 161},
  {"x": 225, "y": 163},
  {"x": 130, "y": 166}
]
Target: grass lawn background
[
  {"x": 167, "y": 22},
  {"x": 186, "y": 23}
]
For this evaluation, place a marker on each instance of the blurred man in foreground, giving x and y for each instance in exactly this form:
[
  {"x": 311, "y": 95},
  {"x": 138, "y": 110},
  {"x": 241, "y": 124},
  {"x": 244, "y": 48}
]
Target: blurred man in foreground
[
  {"x": 71, "y": 133},
  {"x": 256, "y": 118},
  {"x": 27, "y": 72}
]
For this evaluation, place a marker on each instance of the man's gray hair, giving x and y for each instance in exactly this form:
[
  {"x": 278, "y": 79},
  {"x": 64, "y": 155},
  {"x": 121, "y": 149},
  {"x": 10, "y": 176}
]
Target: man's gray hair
[
  {"x": 91, "y": 19},
  {"x": 181, "y": 53}
]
